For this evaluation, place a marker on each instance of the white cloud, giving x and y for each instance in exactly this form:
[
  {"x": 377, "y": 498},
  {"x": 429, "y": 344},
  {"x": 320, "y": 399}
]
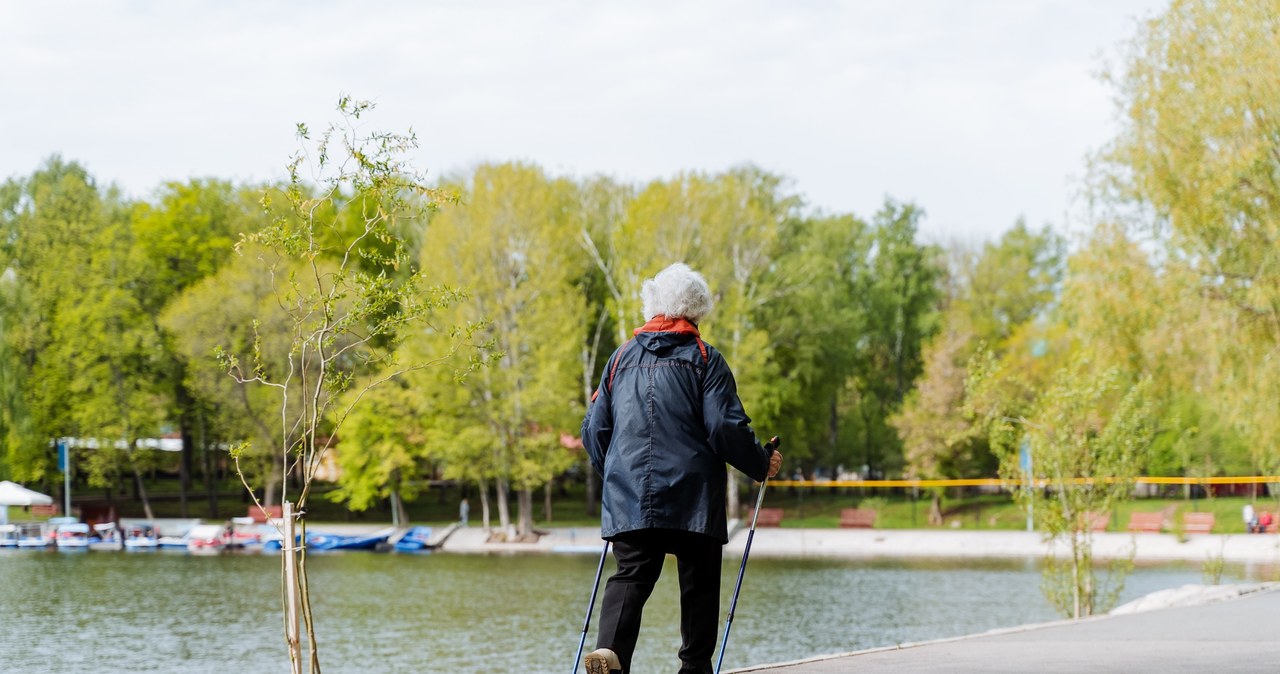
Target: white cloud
[{"x": 979, "y": 111}]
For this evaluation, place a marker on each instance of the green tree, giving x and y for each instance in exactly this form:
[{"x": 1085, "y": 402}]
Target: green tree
[
  {"x": 235, "y": 311},
  {"x": 187, "y": 235},
  {"x": 1199, "y": 88},
  {"x": 989, "y": 295},
  {"x": 1087, "y": 435},
  {"x": 506, "y": 247},
  {"x": 604, "y": 205},
  {"x": 814, "y": 319},
  {"x": 116, "y": 391},
  {"x": 382, "y": 450},
  {"x": 50, "y": 223},
  {"x": 899, "y": 288}
]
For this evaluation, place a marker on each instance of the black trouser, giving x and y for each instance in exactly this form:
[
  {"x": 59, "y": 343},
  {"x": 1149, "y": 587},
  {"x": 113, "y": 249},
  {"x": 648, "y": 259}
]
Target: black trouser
[{"x": 640, "y": 555}]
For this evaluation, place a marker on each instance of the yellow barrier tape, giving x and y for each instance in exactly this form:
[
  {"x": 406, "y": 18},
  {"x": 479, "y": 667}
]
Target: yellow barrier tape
[{"x": 995, "y": 482}]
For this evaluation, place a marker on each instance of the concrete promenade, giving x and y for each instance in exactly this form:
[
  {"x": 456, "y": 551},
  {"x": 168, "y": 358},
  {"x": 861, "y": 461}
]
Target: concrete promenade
[
  {"x": 909, "y": 543},
  {"x": 1228, "y": 635}
]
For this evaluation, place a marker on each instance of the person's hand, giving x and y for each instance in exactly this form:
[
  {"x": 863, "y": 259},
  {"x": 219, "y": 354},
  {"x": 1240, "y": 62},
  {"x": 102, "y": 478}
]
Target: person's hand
[{"x": 775, "y": 459}]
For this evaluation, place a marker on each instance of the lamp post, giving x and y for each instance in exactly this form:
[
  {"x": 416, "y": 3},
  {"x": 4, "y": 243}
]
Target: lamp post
[
  {"x": 1024, "y": 461},
  {"x": 64, "y": 464}
]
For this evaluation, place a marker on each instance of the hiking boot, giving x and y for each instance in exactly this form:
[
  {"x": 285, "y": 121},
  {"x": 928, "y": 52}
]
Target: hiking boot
[{"x": 602, "y": 661}]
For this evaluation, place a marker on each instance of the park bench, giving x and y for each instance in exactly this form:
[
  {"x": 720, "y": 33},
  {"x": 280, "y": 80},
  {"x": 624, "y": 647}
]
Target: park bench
[
  {"x": 1146, "y": 523},
  {"x": 1096, "y": 521},
  {"x": 1197, "y": 523},
  {"x": 46, "y": 510},
  {"x": 769, "y": 517},
  {"x": 857, "y": 518},
  {"x": 275, "y": 512}
]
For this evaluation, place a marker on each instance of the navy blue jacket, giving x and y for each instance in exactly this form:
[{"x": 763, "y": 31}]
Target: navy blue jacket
[{"x": 662, "y": 425}]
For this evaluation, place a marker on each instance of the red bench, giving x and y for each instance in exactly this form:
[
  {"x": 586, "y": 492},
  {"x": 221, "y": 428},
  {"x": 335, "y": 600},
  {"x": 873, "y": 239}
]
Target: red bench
[
  {"x": 769, "y": 517},
  {"x": 1096, "y": 521},
  {"x": 1146, "y": 523},
  {"x": 857, "y": 518},
  {"x": 275, "y": 512},
  {"x": 1197, "y": 523}
]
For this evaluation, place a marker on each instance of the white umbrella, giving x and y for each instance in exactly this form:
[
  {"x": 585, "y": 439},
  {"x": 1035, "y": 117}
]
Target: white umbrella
[{"x": 14, "y": 494}]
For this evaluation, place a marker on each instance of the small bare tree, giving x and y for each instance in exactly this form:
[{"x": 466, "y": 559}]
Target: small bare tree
[
  {"x": 1073, "y": 452},
  {"x": 337, "y": 253}
]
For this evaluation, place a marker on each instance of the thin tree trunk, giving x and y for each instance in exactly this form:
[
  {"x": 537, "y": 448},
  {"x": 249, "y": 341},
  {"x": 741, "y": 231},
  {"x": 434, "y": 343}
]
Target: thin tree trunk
[
  {"x": 290, "y": 561},
  {"x": 401, "y": 515},
  {"x": 209, "y": 477},
  {"x": 525, "y": 498},
  {"x": 484, "y": 504},
  {"x": 504, "y": 511},
  {"x": 142, "y": 492},
  {"x": 935, "y": 510},
  {"x": 546, "y": 502},
  {"x": 184, "y": 473},
  {"x": 272, "y": 482}
]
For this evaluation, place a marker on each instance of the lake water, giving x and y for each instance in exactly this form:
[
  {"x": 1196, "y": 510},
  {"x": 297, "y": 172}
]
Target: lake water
[{"x": 169, "y": 612}]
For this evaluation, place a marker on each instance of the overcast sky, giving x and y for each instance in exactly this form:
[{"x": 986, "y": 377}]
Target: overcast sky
[{"x": 979, "y": 111}]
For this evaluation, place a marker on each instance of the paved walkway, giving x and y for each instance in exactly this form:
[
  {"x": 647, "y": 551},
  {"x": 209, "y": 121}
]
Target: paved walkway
[
  {"x": 900, "y": 543},
  {"x": 1236, "y": 635}
]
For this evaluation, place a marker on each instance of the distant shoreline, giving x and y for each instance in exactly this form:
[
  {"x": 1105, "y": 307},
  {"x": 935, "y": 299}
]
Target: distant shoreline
[{"x": 913, "y": 543}]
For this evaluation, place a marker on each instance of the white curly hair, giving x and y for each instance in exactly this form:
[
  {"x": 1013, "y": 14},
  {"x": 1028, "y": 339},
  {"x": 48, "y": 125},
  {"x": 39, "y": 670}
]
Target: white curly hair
[{"x": 677, "y": 292}]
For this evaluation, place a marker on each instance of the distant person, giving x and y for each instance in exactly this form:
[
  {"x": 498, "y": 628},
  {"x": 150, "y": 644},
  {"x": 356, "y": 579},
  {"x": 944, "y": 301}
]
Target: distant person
[
  {"x": 1250, "y": 519},
  {"x": 1264, "y": 522},
  {"x": 464, "y": 510},
  {"x": 660, "y": 429}
]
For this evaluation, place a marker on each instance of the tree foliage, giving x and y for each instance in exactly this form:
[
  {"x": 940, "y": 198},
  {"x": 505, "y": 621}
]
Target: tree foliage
[
  {"x": 507, "y": 247},
  {"x": 1200, "y": 94}
]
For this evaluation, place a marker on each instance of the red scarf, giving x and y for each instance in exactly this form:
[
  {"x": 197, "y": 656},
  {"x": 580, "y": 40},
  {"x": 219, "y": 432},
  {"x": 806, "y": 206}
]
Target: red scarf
[{"x": 661, "y": 323}]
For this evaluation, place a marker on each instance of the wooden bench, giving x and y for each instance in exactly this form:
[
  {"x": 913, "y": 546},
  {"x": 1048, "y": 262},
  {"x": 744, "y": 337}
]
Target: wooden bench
[
  {"x": 857, "y": 518},
  {"x": 275, "y": 512},
  {"x": 1146, "y": 523},
  {"x": 1197, "y": 523},
  {"x": 1096, "y": 521},
  {"x": 769, "y": 517},
  {"x": 46, "y": 510}
]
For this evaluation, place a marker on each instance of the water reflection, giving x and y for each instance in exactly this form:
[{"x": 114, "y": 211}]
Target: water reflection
[{"x": 114, "y": 612}]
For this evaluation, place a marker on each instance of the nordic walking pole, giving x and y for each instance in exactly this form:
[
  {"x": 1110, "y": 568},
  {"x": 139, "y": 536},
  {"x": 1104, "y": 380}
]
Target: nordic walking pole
[
  {"x": 733, "y": 605},
  {"x": 586, "y": 623}
]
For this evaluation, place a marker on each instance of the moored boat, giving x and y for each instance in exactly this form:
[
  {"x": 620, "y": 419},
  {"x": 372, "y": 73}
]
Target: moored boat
[
  {"x": 416, "y": 539},
  {"x": 318, "y": 542},
  {"x": 73, "y": 536},
  {"x": 31, "y": 535},
  {"x": 206, "y": 538},
  {"x": 8, "y": 535},
  {"x": 142, "y": 536},
  {"x": 106, "y": 536},
  {"x": 245, "y": 533}
]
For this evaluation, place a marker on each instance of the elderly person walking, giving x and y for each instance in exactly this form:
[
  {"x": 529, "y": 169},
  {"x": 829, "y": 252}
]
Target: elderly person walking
[{"x": 660, "y": 429}]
